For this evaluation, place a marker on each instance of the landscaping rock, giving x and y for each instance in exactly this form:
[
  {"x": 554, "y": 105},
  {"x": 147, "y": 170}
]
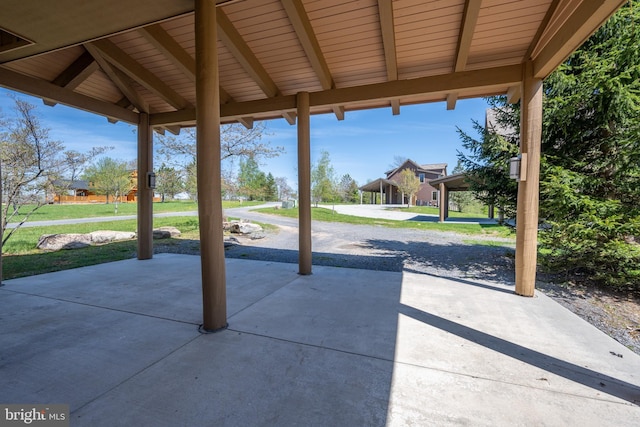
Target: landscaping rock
[
  {"x": 165, "y": 232},
  {"x": 106, "y": 236},
  {"x": 56, "y": 242},
  {"x": 245, "y": 228}
]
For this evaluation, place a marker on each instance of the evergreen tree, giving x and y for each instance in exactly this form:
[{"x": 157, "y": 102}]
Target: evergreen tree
[
  {"x": 590, "y": 166},
  {"x": 348, "y": 189}
]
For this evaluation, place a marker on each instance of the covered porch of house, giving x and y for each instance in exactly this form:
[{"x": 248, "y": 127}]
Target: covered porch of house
[{"x": 339, "y": 347}]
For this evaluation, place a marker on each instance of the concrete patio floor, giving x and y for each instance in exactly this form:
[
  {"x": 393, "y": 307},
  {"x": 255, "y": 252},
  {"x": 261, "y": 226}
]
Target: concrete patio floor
[{"x": 119, "y": 343}]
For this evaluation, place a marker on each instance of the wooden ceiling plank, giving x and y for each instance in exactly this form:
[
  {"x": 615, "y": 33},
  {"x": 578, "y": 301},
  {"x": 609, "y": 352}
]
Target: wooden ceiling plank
[
  {"x": 45, "y": 90},
  {"x": 235, "y": 44},
  {"x": 122, "y": 82},
  {"x": 583, "y": 22},
  {"x": 164, "y": 43},
  {"x": 467, "y": 28},
  {"x": 140, "y": 74}
]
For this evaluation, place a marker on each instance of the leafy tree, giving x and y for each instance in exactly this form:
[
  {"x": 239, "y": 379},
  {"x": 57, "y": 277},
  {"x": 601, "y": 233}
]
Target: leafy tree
[
  {"x": 109, "y": 177},
  {"x": 251, "y": 180},
  {"x": 323, "y": 188},
  {"x": 461, "y": 199},
  {"x": 590, "y": 166},
  {"x": 348, "y": 189},
  {"x": 30, "y": 162},
  {"x": 191, "y": 180},
  {"x": 168, "y": 182},
  {"x": 408, "y": 183}
]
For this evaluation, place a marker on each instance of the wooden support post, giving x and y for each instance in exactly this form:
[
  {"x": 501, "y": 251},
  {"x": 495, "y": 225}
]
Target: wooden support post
[
  {"x": 304, "y": 183},
  {"x": 214, "y": 293},
  {"x": 380, "y": 192},
  {"x": 1, "y": 221},
  {"x": 145, "y": 193},
  {"x": 442, "y": 202},
  {"x": 528, "y": 187}
]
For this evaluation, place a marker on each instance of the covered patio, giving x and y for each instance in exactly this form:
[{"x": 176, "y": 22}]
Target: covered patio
[{"x": 339, "y": 347}]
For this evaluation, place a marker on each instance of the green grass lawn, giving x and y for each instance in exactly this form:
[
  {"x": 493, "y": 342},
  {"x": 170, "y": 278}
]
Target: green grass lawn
[
  {"x": 93, "y": 210},
  {"x": 323, "y": 214},
  {"x": 431, "y": 210}
]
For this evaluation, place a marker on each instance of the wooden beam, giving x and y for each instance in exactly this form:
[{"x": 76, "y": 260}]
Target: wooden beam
[
  {"x": 395, "y": 107},
  {"x": 541, "y": 29},
  {"x": 452, "y": 98},
  {"x": 387, "y": 29},
  {"x": 171, "y": 49},
  {"x": 289, "y": 117},
  {"x": 385, "y": 11},
  {"x": 304, "y": 183},
  {"x": 456, "y": 82},
  {"x": 145, "y": 193},
  {"x": 119, "y": 79},
  {"x": 77, "y": 72},
  {"x": 246, "y": 122},
  {"x": 513, "y": 94},
  {"x": 583, "y": 22},
  {"x": 48, "y": 91},
  {"x": 214, "y": 294},
  {"x": 467, "y": 28},
  {"x": 307, "y": 38},
  {"x": 528, "y": 186},
  {"x": 137, "y": 72},
  {"x": 241, "y": 52}
]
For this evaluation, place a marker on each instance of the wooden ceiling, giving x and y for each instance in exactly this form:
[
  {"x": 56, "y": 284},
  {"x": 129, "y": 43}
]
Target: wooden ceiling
[{"x": 120, "y": 57}]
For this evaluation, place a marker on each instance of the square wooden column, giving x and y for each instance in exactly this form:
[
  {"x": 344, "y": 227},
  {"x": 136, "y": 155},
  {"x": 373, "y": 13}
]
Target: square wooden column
[
  {"x": 304, "y": 183},
  {"x": 443, "y": 202},
  {"x": 145, "y": 193},
  {"x": 214, "y": 292},
  {"x": 528, "y": 186}
]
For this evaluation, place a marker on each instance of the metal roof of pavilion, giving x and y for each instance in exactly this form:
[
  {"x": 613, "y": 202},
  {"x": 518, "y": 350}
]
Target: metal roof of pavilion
[{"x": 119, "y": 57}]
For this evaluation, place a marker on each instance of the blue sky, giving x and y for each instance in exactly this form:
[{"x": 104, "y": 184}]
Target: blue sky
[{"x": 363, "y": 144}]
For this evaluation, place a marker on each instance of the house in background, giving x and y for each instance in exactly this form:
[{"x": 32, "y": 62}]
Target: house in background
[
  {"x": 80, "y": 191},
  {"x": 388, "y": 187}
]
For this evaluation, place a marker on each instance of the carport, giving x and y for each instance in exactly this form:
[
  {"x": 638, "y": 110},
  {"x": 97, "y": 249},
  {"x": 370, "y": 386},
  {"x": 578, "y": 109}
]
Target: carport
[{"x": 167, "y": 64}]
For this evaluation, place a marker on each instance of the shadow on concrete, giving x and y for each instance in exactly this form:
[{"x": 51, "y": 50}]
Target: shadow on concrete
[{"x": 595, "y": 380}]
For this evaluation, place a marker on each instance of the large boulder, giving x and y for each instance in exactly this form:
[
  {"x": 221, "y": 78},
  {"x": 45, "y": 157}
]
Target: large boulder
[
  {"x": 245, "y": 228},
  {"x": 56, "y": 242},
  {"x": 165, "y": 232},
  {"x": 106, "y": 236}
]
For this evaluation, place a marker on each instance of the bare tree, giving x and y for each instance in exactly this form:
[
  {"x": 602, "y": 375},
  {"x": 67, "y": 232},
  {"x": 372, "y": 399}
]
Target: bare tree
[{"x": 30, "y": 161}]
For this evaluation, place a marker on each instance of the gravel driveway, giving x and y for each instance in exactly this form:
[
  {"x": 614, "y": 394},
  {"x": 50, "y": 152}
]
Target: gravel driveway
[{"x": 380, "y": 248}]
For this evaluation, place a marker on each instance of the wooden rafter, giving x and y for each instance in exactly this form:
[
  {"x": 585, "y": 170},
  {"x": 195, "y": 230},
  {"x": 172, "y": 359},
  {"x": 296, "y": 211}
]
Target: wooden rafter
[
  {"x": 75, "y": 74},
  {"x": 241, "y": 52},
  {"x": 467, "y": 28},
  {"x": 49, "y": 91},
  {"x": 138, "y": 73},
  {"x": 578, "y": 27},
  {"x": 118, "y": 78},
  {"x": 307, "y": 38},
  {"x": 170, "y": 48},
  {"x": 385, "y": 11}
]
